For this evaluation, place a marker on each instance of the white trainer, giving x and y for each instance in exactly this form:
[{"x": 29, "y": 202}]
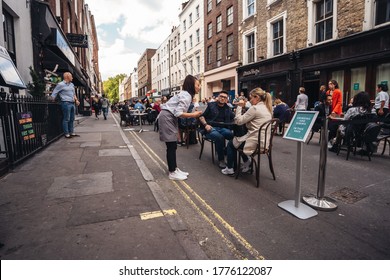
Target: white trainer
[
  {"x": 182, "y": 172},
  {"x": 227, "y": 171},
  {"x": 177, "y": 176},
  {"x": 245, "y": 167}
]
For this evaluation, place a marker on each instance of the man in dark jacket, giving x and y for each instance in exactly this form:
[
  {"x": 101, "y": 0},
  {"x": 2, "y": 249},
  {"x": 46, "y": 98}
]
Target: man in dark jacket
[{"x": 215, "y": 120}]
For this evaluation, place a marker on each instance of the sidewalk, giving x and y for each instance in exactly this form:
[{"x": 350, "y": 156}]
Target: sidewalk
[{"x": 89, "y": 197}]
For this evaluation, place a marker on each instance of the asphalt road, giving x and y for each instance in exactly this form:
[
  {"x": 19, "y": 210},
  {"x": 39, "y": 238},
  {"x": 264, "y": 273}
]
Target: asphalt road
[{"x": 233, "y": 219}]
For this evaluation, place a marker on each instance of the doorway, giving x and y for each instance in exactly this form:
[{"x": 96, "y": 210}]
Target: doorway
[{"x": 312, "y": 91}]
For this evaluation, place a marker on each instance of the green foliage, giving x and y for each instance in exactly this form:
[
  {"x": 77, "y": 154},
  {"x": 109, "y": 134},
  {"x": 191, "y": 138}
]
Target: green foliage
[
  {"x": 37, "y": 87},
  {"x": 111, "y": 87}
]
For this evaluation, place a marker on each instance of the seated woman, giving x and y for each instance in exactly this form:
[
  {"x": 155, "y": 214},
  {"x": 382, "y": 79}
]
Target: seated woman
[
  {"x": 281, "y": 111},
  {"x": 361, "y": 105},
  {"x": 259, "y": 113}
]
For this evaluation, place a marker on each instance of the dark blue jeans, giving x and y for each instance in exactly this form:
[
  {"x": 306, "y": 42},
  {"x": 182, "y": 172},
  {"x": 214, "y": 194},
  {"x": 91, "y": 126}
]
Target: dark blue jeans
[
  {"x": 68, "y": 110},
  {"x": 232, "y": 154},
  {"x": 218, "y": 135}
]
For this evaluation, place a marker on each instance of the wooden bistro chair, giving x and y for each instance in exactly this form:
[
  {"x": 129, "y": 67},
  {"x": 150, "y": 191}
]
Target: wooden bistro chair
[{"x": 267, "y": 128}]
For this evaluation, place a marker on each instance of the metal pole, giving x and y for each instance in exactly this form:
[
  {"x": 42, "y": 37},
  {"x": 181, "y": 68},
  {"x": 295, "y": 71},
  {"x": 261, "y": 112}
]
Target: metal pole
[
  {"x": 320, "y": 202},
  {"x": 298, "y": 172}
]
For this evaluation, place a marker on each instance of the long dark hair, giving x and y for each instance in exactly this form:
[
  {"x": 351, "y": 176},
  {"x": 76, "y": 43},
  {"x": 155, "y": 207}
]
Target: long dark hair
[
  {"x": 362, "y": 99},
  {"x": 336, "y": 84},
  {"x": 189, "y": 84}
]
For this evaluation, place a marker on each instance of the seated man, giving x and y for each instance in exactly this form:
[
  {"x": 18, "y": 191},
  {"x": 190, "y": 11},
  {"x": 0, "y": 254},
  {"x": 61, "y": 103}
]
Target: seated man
[{"x": 216, "y": 114}]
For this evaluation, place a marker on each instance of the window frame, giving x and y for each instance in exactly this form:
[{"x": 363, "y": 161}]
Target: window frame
[
  {"x": 230, "y": 16},
  {"x": 218, "y": 25},
  {"x": 230, "y": 44},
  {"x": 245, "y": 8},
  {"x": 270, "y": 25},
  {"x": 209, "y": 6},
  {"x": 209, "y": 30},
  {"x": 312, "y": 34},
  {"x": 210, "y": 54},
  {"x": 244, "y": 45},
  {"x": 218, "y": 50}
]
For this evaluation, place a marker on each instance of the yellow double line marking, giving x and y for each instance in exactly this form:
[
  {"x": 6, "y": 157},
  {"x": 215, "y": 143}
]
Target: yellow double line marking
[{"x": 241, "y": 240}]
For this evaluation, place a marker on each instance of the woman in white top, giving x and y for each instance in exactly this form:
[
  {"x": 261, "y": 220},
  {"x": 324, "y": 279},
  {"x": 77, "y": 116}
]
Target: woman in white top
[
  {"x": 175, "y": 108},
  {"x": 382, "y": 100},
  {"x": 302, "y": 100}
]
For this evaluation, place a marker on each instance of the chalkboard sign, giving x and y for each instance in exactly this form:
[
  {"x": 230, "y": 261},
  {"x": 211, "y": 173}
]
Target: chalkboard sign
[
  {"x": 300, "y": 125},
  {"x": 26, "y": 126}
]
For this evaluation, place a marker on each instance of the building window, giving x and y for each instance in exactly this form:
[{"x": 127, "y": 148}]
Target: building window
[
  {"x": 197, "y": 12},
  {"x": 219, "y": 50},
  {"x": 209, "y": 54},
  {"x": 191, "y": 45},
  {"x": 382, "y": 11},
  {"x": 277, "y": 39},
  {"x": 358, "y": 80},
  {"x": 178, "y": 55},
  {"x": 229, "y": 49},
  {"x": 209, "y": 5},
  {"x": 324, "y": 20},
  {"x": 190, "y": 19},
  {"x": 249, "y": 8},
  {"x": 191, "y": 68},
  {"x": 184, "y": 25},
  {"x": 209, "y": 30},
  {"x": 185, "y": 45},
  {"x": 250, "y": 48},
  {"x": 9, "y": 35},
  {"x": 197, "y": 36},
  {"x": 229, "y": 16},
  {"x": 178, "y": 39},
  {"x": 185, "y": 68},
  {"x": 219, "y": 23},
  {"x": 217, "y": 2},
  {"x": 198, "y": 63}
]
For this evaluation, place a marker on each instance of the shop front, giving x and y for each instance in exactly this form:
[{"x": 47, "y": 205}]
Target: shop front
[
  {"x": 357, "y": 62},
  {"x": 53, "y": 54}
]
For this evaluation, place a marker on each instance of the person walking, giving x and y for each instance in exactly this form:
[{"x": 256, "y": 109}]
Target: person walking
[
  {"x": 302, "y": 100},
  {"x": 105, "y": 104},
  {"x": 96, "y": 106},
  {"x": 175, "y": 108},
  {"x": 66, "y": 92}
]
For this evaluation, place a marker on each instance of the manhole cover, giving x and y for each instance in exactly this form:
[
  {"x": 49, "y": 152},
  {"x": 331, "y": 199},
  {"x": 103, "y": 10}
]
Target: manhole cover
[{"x": 348, "y": 195}]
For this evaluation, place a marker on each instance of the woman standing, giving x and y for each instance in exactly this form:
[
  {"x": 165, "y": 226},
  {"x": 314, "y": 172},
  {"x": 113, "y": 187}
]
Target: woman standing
[
  {"x": 175, "y": 108},
  {"x": 259, "y": 113},
  {"x": 337, "y": 97},
  {"x": 381, "y": 100},
  {"x": 302, "y": 100}
]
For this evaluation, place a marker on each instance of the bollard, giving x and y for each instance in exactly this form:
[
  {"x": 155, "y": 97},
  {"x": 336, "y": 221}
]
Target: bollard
[{"x": 319, "y": 201}]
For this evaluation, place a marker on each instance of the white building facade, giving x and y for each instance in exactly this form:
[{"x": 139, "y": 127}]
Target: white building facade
[
  {"x": 134, "y": 83},
  {"x": 176, "y": 65},
  {"x": 191, "y": 44}
]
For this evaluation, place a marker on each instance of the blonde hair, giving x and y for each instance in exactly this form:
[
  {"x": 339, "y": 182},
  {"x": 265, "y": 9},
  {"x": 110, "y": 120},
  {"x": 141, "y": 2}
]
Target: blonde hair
[
  {"x": 302, "y": 89},
  {"x": 277, "y": 101},
  {"x": 264, "y": 97}
]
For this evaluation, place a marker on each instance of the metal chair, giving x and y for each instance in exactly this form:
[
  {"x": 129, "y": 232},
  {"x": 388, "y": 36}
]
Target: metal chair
[{"x": 264, "y": 147}]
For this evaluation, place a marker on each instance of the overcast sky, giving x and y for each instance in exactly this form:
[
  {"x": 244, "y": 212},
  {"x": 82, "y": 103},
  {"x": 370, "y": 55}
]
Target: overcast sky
[{"x": 126, "y": 28}]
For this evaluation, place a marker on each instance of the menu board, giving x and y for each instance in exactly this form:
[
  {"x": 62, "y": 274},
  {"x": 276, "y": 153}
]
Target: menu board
[{"x": 26, "y": 125}]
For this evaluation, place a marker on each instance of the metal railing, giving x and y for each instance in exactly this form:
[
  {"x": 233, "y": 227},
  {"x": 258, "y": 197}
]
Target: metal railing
[{"x": 44, "y": 127}]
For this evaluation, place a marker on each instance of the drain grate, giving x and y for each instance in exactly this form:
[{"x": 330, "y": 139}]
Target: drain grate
[{"x": 348, "y": 195}]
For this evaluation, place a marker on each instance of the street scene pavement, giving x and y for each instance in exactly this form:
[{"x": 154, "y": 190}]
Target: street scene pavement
[{"x": 106, "y": 195}]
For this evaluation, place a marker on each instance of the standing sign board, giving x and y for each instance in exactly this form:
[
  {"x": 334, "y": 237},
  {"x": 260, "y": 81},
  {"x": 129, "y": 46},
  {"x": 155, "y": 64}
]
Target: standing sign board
[
  {"x": 26, "y": 126},
  {"x": 298, "y": 130},
  {"x": 300, "y": 125}
]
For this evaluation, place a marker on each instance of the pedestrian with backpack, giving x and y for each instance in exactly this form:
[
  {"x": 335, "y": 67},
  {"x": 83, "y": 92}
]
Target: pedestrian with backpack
[{"x": 105, "y": 104}]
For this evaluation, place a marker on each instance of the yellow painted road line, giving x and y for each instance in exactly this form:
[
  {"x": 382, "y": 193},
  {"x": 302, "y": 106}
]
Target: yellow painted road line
[
  {"x": 228, "y": 243},
  {"x": 231, "y": 229},
  {"x": 225, "y": 224},
  {"x": 156, "y": 214}
]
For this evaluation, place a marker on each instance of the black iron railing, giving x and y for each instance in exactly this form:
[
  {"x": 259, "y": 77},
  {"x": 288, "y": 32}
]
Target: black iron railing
[{"x": 21, "y": 136}]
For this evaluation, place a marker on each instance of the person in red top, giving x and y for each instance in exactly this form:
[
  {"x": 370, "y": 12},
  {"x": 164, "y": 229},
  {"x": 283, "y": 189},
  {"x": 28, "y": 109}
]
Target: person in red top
[{"x": 337, "y": 97}]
